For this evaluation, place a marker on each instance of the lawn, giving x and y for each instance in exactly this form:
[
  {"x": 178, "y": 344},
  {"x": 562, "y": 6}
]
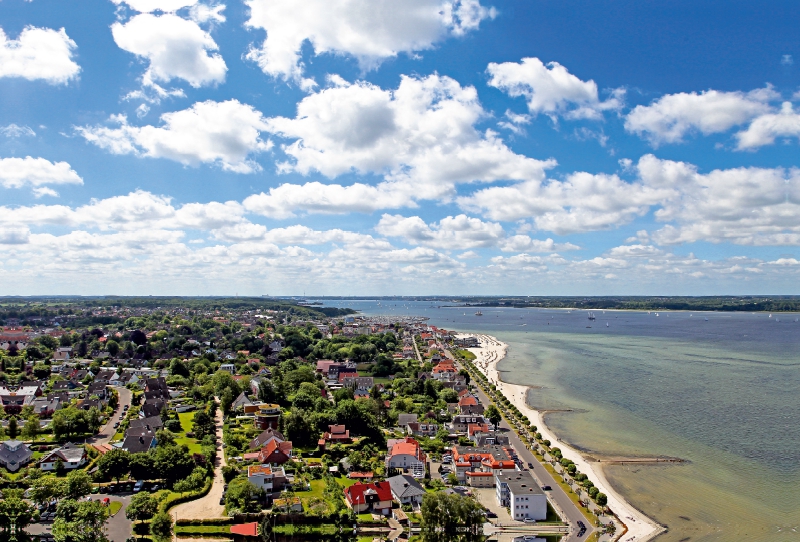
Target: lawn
[
  {"x": 345, "y": 482},
  {"x": 187, "y": 421},
  {"x": 187, "y": 424},
  {"x": 114, "y": 507}
]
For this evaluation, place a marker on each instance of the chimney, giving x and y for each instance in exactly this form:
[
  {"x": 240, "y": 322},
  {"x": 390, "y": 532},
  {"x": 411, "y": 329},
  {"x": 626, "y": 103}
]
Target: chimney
[{"x": 141, "y": 440}]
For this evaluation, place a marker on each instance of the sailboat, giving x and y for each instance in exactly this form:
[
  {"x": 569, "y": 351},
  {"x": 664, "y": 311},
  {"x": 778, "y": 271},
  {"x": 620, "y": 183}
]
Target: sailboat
[
  {"x": 478, "y": 313},
  {"x": 591, "y": 316}
]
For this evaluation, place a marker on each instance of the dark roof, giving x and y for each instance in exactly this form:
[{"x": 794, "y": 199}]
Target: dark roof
[
  {"x": 152, "y": 407},
  {"x": 405, "y": 486},
  {"x": 153, "y": 422},
  {"x": 137, "y": 444},
  {"x": 14, "y": 452}
]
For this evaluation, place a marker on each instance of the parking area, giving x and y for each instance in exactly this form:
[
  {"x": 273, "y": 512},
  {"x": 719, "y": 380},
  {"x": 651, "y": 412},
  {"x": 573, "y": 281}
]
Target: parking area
[{"x": 487, "y": 497}]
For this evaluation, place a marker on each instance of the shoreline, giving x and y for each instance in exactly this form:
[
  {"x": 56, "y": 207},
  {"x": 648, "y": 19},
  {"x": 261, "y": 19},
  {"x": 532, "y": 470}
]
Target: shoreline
[{"x": 639, "y": 527}]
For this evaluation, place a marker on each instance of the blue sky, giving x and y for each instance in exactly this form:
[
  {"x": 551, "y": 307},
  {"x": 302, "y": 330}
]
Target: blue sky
[{"x": 377, "y": 147}]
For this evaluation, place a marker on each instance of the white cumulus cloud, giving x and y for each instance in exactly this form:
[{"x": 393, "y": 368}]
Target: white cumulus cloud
[
  {"x": 581, "y": 202},
  {"x": 285, "y": 200},
  {"x": 39, "y": 53},
  {"x": 174, "y": 47},
  {"x": 550, "y": 89},
  {"x": 671, "y": 117},
  {"x": 369, "y": 30},
  {"x": 768, "y": 127},
  {"x": 223, "y": 133},
  {"x": 421, "y": 135},
  {"x": 36, "y": 173}
]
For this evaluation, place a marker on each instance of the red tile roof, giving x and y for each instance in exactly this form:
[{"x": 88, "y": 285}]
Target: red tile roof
[{"x": 355, "y": 493}]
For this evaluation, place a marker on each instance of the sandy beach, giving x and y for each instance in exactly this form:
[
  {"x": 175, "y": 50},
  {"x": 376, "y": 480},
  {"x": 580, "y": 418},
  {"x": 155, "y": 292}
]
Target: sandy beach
[{"x": 639, "y": 527}]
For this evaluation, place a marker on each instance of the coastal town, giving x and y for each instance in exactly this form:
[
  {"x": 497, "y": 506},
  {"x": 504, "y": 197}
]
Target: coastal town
[{"x": 259, "y": 420}]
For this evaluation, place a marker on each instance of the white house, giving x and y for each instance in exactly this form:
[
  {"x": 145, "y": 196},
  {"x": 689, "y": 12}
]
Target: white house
[
  {"x": 71, "y": 455},
  {"x": 518, "y": 491},
  {"x": 266, "y": 477},
  {"x": 230, "y": 367}
]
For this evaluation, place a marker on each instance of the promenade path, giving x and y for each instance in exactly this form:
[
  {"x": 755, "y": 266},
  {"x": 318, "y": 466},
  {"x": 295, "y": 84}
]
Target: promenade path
[{"x": 568, "y": 510}]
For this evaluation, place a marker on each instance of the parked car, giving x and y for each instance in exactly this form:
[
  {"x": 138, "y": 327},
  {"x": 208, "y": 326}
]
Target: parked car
[
  {"x": 139, "y": 486},
  {"x": 116, "y": 424},
  {"x": 222, "y": 501},
  {"x": 490, "y": 514},
  {"x": 530, "y": 465},
  {"x": 529, "y": 520},
  {"x": 106, "y": 501},
  {"x": 547, "y": 488}
]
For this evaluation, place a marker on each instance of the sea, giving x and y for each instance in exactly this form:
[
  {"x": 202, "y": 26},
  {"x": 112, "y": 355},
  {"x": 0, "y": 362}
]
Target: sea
[{"x": 718, "y": 390}]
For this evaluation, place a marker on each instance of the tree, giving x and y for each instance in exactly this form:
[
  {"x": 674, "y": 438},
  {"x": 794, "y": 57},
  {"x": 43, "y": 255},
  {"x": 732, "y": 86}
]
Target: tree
[
  {"x": 15, "y": 515},
  {"x": 112, "y": 347},
  {"x": 114, "y": 464},
  {"x": 465, "y": 374},
  {"x": 601, "y": 499},
  {"x": 31, "y": 429},
  {"x": 142, "y": 466},
  {"x": 142, "y": 507},
  {"x": 165, "y": 437},
  {"x": 203, "y": 424},
  {"x": 243, "y": 496},
  {"x": 78, "y": 484},
  {"x": 12, "y": 427},
  {"x": 451, "y": 518},
  {"x": 493, "y": 415},
  {"x": 193, "y": 482},
  {"x": 226, "y": 400},
  {"x": 80, "y": 521},
  {"x": 161, "y": 526},
  {"x": 172, "y": 463},
  {"x": 46, "y": 488},
  {"x": 138, "y": 337}
]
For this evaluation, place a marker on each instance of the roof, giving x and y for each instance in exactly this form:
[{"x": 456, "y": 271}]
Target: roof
[
  {"x": 520, "y": 482},
  {"x": 15, "y": 452},
  {"x": 245, "y": 529},
  {"x": 407, "y": 446},
  {"x": 405, "y": 486},
  {"x": 71, "y": 453},
  {"x": 153, "y": 422},
  {"x": 467, "y": 400},
  {"x": 254, "y": 470},
  {"x": 356, "y": 493},
  {"x": 273, "y": 445},
  {"x": 136, "y": 444},
  {"x": 264, "y": 437}
]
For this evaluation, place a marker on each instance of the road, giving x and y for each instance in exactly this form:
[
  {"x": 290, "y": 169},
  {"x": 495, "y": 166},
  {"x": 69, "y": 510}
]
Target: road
[
  {"x": 208, "y": 506},
  {"x": 107, "y": 432},
  {"x": 569, "y": 511}
]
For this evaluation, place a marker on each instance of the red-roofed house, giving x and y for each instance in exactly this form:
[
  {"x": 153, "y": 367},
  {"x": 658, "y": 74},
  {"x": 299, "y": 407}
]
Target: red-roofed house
[
  {"x": 337, "y": 433},
  {"x": 407, "y": 454},
  {"x": 467, "y": 400},
  {"x": 275, "y": 452},
  {"x": 476, "y": 428},
  {"x": 375, "y": 498}
]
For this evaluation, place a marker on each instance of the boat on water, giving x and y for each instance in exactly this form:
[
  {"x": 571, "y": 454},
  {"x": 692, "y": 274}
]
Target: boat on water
[
  {"x": 606, "y": 324},
  {"x": 478, "y": 313},
  {"x": 591, "y": 316}
]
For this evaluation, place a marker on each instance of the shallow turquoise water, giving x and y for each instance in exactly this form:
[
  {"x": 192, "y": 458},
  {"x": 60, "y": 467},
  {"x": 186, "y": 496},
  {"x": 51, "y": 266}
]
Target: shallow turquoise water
[{"x": 716, "y": 389}]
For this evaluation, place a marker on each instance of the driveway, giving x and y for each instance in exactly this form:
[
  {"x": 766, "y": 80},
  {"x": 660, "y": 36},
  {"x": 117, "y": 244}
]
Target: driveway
[
  {"x": 208, "y": 506},
  {"x": 107, "y": 432}
]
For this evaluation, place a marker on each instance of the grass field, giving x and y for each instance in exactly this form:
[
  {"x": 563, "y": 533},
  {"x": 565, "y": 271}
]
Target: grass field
[
  {"x": 187, "y": 425},
  {"x": 114, "y": 507}
]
